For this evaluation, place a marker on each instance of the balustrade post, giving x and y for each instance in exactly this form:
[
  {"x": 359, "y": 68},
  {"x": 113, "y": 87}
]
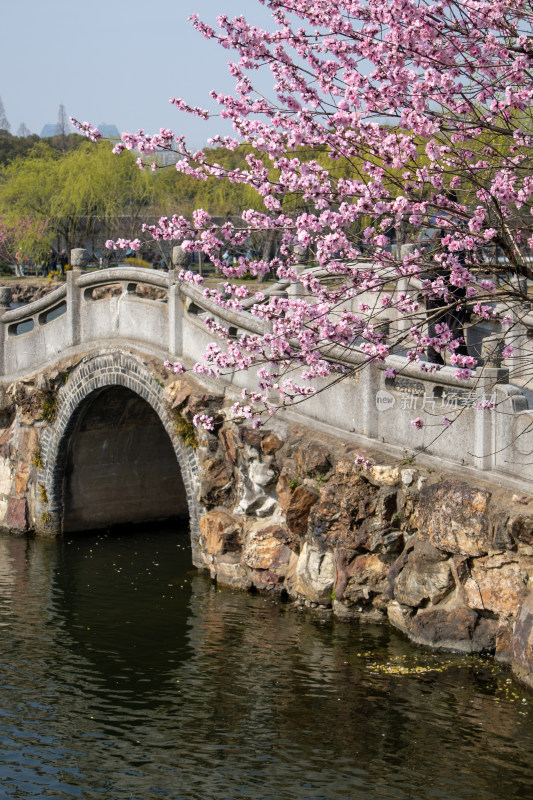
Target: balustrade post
[
  {"x": 518, "y": 338},
  {"x": 485, "y": 420},
  {"x": 175, "y": 314},
  {"x": 5, "y": 304},
  {"x": 369, "y": 382},
  {"x": 180, "y": 260},
  {"x": 484, "y": 439},
  {"x": 79, "y": 258}
]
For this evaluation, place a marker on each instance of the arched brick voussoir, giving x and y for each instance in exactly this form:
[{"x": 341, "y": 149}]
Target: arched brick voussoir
[{"x": 98, "y": 372}]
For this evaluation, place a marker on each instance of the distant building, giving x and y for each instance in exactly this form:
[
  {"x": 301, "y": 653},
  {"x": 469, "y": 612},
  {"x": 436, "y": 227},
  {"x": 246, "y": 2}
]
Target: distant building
[
  {"x": 107, "y": 131},
  {"x": 49, "y": 130}
]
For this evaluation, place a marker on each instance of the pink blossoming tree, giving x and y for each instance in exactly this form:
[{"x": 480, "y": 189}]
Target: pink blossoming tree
[
  {"x": 21, "y": 238},
  {"x": 426, "y": 106}
]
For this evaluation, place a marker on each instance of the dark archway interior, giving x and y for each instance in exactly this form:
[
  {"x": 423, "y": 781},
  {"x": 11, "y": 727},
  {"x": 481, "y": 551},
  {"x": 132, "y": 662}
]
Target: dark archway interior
[{"x": 120, "y": 464}]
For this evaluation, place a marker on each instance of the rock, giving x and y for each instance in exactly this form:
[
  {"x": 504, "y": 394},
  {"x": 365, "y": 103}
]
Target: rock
[
  {"x": 3, "y": 512},
  {"x": 366, "y": 577},
  {"x": 27, "y": 442},
  {"x": 522, "y": 643},
  {"x": 521, "y": 529},
  {"x": 271, "y": 444},
  {"x": 300, "y": 504},
  {"x": 496, "y": 584},
  {"x": 253, "y": 482},
  {"x": 29, "y": 402},
  {"x": 313, "y": 458},
  {"x": 180, "y": 397},
  {"x": 443, "y": 628},
  {"x": 177, "y": 392},
  {"x": 229, "y": 444},
  {"x": 216, "y": 481},
  {"x": 251, "y": 437},
  {"x": 384, "y": 540},
  {"x": 267, "y": 548},
  {"x": 399, "y": 616},
  {"x": 485, "y": 635},
  {"x": 342, "y": 611},
  {"x": 266, "y": 579},
  {"x": 408, "y": 476},
  {"x": 386, "y": 505},
  {"x": 261, "y": 474},
  {"x": 203, "y": 403},
  {"x": 5, "y": 476},
  {"x": 499, "y": 535},
  {"x": 504, "y": 639},
  {"x": 370, "y": 615},
  {"x": 291, "y": 575},
  {"x": 284, "y": 489},
  {"x": 6, "y": 441},
  {"x": 317, "y": 574},
  {"x": 232, "y": 574},
  {"x": 453, "y": 517},
  {"x": 426, "y": 576},
  {"x": 208, "y": 444},
  {"x": 521, "y": 499},
  {"x": 384, "y": 474},
  {"x": 21, "y": 478},
  {"x": 220, "y": 533},
  {"x": 17, "y": 514},
  {"x": 343, "y": 516}
]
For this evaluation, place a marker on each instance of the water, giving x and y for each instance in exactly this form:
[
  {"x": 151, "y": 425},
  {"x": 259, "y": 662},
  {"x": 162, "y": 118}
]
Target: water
[{"x": 126, "y": 675}]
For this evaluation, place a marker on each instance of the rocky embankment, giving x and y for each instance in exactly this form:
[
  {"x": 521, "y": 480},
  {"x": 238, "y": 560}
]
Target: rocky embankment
[
  {"x": 26, "y": 291},
  {"x": 290, "y": 512}
]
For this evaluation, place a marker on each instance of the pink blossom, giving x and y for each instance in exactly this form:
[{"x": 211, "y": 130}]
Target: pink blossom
[
  {"x": 204, "y": 421},
  {"x": 378, "y": 84}
]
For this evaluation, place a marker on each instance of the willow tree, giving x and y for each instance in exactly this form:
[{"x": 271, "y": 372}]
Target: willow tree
[{"x": 82, "y": 193}]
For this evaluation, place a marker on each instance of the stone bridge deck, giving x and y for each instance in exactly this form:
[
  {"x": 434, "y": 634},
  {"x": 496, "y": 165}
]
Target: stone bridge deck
[{"x": 366, "y": 408}]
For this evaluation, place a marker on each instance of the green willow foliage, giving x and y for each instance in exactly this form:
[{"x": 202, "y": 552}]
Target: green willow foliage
[{"x": 83, "y": 190}]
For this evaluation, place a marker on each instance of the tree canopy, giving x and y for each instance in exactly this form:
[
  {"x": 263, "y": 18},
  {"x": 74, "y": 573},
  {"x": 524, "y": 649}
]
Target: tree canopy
[{"x": 77, "y": 193}]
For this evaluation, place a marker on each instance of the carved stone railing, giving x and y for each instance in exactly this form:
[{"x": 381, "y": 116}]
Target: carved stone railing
[{"x": 365, "y": 405}]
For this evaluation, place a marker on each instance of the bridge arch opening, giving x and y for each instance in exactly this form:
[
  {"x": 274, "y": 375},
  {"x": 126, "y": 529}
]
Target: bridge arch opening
[{"x": 119, "y": 464}]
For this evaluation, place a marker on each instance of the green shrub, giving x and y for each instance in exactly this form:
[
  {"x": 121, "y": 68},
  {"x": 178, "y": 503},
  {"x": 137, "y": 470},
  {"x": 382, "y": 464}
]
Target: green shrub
[
  {"x": 49, "y": 405},
  {"x": 37, "y": 458},
  {"x": 137, "y": 262},
  {"x": 185, "y": 430}
]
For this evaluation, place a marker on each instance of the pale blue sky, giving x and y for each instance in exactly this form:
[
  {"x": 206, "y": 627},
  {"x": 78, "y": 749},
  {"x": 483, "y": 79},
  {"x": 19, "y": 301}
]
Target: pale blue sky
[{"x": 112, "y": 61}]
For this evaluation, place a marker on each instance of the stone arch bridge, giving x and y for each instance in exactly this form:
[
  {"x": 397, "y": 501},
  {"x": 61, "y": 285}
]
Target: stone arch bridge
[
  {"x": 112, "y": 322},
  {"x": 93, "y": 431}
]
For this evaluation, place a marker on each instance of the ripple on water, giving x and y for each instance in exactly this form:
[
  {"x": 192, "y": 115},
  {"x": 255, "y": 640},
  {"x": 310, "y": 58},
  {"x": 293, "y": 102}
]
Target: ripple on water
[{"x": 125, "y": 674}]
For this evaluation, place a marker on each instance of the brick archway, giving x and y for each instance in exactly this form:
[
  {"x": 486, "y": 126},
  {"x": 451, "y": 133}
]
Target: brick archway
[{"x": 93, "y": 373}]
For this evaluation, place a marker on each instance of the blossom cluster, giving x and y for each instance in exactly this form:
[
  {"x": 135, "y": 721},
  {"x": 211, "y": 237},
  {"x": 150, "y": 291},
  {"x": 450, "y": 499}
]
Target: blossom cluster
[{"x": 391, "y": 123}]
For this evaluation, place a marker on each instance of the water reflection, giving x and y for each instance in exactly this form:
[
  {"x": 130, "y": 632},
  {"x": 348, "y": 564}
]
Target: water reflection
[{"x": 127, "y": 675}]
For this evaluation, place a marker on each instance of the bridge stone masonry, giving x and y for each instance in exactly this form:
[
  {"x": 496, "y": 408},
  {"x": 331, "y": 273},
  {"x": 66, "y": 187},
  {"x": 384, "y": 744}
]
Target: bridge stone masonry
[{"x": 94, "y": 431}]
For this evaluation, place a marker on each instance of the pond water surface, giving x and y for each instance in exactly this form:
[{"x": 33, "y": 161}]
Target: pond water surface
[{"x": 126, "y": 675}]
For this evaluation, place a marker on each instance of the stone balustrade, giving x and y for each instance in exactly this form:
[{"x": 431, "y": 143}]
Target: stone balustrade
[{"x": 104, "y": 308}]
